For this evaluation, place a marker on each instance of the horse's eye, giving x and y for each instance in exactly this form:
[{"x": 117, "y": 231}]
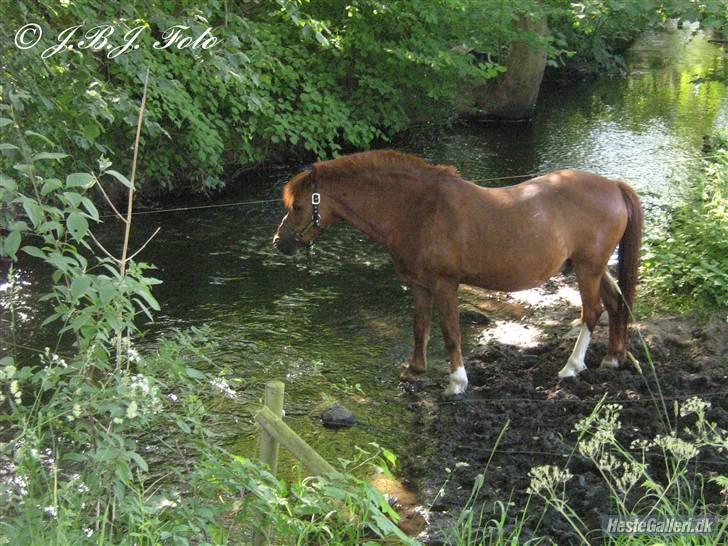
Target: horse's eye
[{"x": 296, "y": 207}]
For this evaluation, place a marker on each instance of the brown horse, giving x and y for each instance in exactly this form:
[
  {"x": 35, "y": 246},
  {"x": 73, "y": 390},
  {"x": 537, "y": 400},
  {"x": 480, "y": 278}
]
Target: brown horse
[{"x": 442, "y": 231}]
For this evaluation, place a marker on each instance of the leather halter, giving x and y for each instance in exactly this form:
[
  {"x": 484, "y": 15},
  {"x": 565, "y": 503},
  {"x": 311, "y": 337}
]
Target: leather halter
[{"x": 315, "y": 216}]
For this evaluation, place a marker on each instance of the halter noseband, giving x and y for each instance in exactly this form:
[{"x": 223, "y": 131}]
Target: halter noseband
[{"x": 315, "y": 216}]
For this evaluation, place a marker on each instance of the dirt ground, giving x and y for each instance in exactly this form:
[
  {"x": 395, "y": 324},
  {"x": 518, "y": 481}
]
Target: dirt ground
[{"x": 513, "y": 378}]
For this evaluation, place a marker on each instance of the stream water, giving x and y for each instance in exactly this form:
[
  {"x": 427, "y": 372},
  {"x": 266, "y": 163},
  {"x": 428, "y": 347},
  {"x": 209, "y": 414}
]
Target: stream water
[{"x": 339, "y": 326}]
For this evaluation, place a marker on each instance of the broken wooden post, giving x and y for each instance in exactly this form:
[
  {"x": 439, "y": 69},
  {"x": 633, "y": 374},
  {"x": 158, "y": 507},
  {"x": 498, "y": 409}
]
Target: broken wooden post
[
  {"x": 274, "y": 426},
  {"x": 273, "y": 400}
]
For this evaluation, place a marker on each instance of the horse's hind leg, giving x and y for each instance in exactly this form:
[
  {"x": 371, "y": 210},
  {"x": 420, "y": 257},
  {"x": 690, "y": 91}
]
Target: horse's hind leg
[
  {"x": 610, "y": 296},
  {"x": 446, "y": 299},
  {"x": 422, "y": 325},
  {"x": 589, "y": 280}
]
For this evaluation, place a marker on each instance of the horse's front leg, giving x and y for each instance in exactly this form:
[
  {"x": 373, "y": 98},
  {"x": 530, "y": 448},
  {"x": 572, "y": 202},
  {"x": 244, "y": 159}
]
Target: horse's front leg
[
  {"x": 446, "y": 299},
  {"x": 423, "y": 321}
]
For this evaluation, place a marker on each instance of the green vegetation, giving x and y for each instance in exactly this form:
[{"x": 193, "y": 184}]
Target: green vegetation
[
  {"x": 83, "y": 424},
  {"x": 287, "y": 78},
  {"x": 686, "y": 263}
]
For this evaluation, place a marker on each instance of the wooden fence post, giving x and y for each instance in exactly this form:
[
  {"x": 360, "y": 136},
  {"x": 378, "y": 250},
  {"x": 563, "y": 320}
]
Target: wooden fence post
[
  {"x": 268, "y": 448},
  {"x": 273, "y": 400},
  {"x": 281, "y": 432}
]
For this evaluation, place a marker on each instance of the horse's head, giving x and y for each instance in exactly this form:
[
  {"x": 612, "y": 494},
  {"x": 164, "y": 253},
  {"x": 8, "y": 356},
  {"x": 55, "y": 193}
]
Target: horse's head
[{"x": 301, "y": 226}]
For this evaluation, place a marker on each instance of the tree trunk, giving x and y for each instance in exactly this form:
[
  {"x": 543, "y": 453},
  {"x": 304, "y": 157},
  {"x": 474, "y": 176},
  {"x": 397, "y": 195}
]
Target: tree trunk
[{"x": 512, "y": 95}]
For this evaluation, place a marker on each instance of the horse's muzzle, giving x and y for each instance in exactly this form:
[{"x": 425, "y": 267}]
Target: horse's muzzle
[{"x": 288, "y": 244}]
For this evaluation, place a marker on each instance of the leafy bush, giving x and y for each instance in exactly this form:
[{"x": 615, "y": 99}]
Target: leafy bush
[
  {"x": 279, "y": 79},
  {"x": 86, "y": 431},
  {"x": 686, "y": 261}
]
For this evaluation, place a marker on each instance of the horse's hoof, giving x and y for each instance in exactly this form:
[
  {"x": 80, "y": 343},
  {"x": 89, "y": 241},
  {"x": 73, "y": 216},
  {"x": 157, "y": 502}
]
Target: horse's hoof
[
  {"x": 411, "y": 375},
  {"x": 571, "y": 369},
  {"x": 454, "y": 390},
  {"x": 609, "y": 363},
  {"x": 458, "y": 382}
]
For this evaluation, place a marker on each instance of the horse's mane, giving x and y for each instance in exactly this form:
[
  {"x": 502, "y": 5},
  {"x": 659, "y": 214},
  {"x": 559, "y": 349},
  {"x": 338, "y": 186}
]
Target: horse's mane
[{"x": 377, "y": 161}]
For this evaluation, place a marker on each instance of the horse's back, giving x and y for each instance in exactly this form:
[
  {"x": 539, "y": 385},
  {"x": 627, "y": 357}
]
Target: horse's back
[{"x": 518, "y": 236}]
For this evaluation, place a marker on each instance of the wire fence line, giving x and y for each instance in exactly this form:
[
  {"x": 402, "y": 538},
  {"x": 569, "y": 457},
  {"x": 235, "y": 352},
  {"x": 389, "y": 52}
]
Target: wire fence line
[
  {"x": 677, "y": 398},
  {"x": 475, "y": 180},
  {"x": 565, "y": 455}
]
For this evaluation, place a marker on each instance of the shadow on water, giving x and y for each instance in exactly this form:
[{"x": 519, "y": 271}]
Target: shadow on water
[{"x": 339, "y": 325}]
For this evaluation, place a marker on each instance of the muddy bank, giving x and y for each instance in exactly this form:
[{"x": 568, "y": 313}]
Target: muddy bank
[{"x": 513, "y": 378}]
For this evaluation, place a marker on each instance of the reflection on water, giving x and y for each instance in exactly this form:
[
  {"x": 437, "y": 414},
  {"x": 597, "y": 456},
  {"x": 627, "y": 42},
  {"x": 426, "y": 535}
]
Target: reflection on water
[
  {"x": 341, "y": 318},
  {"x": 646, "y": 128}
]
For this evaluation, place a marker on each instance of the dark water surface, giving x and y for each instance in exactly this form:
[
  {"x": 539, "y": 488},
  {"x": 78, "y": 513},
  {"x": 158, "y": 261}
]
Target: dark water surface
[{"x": 340, "y": 326}]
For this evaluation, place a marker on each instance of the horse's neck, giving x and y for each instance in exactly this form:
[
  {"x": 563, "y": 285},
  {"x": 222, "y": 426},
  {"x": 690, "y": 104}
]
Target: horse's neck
[{"x": 371, "y": 206}]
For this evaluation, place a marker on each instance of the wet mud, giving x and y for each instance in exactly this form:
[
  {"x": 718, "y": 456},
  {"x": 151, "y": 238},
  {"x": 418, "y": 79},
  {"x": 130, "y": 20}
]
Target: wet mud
[{"x": 513, "y": 382}]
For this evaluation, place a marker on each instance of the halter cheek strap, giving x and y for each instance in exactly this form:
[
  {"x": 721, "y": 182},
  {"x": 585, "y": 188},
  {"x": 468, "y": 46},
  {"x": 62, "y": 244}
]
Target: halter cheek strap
[{"x": 315, "y": 216}]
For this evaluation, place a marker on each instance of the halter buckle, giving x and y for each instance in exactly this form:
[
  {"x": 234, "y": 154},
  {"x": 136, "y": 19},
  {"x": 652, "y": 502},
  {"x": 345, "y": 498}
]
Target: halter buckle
[{"x": 316, "y": 198}]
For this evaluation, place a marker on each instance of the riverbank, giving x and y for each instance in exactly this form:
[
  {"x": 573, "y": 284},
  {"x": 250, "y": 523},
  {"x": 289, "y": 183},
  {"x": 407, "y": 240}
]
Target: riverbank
[{"x": 513, "y": 381}]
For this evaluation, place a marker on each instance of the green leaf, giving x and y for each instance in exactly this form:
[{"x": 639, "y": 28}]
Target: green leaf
[
  {"x": 141, "y": 463},
  {"x": 12, "y": 244},
  {"x": 106, "y": 292},
  {"x": 184, "y": 427},
  {"x": 50, "y": 185},
  {"x": 93, "y": 212},
  {"x": 194, "y": 373},
  {"x": 79, "y": 180},
  {"x": 33, "y": 210},
  {"x": 8, "y": 183},
  {"x": 49, "y": 155},
  {"x": 42, "y": 137},
  {"x": 80, "y": 286},
  {"x": 73, "y": 198},
  {"x": 23, "y": 168},
  {"x": 19, "y": 226},
  {"x": 8, "y": 146},
  {"x": 5, "y": 121},
  {"x": 77, "y": 225},
  {"x": 90, "y": 131},
  {"x": 120, "y": 177},
  {"x": 322, "y": 39},
  {"x": 35, "y": 252}
]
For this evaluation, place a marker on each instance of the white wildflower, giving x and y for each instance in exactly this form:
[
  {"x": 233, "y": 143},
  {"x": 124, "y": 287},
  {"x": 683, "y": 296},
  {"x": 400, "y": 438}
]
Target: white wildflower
[
  {"x": 679, "y": 448},
  {"x": 642, "y": 445},
  {"x": 694, "y": 405},
  {"x": 222, "y": 385},
  {"x": 631, "y": 472},
  {"x": 546, "y": 478},
  {"x": 590, "y": 448},
  {"x": 132, "y": 410},
  {"x": 607, "y": 462},
  {"x": 167, "y": 503}
]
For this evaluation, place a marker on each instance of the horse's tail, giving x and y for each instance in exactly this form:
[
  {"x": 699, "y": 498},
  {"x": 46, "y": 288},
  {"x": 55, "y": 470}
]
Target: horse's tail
[{"x": 629, "y": 257}]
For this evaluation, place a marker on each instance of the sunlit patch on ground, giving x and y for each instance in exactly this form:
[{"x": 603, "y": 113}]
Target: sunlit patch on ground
[
  {"x": 512, "y": 333},
  {"x": 561, "y": 294}
]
